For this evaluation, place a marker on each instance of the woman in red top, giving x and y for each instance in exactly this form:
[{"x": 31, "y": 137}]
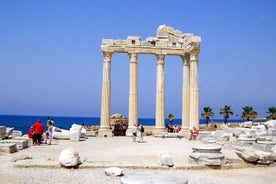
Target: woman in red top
[{"x": 38, "y": 131}]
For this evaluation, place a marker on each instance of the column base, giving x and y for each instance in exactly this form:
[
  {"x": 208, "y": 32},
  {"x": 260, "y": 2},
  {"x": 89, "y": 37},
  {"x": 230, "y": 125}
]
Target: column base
[
  {"x": 159, "y": 129},
  {"x": 105, "y": 132}
]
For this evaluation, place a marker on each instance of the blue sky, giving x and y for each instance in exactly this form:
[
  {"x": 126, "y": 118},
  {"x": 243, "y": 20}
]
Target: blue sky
[{"x": 51, "y": 63}]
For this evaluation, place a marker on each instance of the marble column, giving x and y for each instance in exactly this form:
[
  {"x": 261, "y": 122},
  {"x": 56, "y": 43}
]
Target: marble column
[
  {"x": 105, "y": 129},
  {"x": 194, "y": 90},
  {"x": 185, "y": 92},
  {"x": 133, "y": 93},
  {"x": 160, "y": 95}
]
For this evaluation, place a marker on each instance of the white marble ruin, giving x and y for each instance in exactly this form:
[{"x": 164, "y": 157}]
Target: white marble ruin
[
  {"x": 168, "y": 42},
  {"x": 207, "y": 154},
  {"x": 69, "y": 158},
  {"x": 259, "y": 139}
]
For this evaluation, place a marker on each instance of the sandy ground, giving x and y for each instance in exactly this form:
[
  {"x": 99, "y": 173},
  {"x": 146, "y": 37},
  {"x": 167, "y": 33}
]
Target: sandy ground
[{"x": 134, "y": 158}]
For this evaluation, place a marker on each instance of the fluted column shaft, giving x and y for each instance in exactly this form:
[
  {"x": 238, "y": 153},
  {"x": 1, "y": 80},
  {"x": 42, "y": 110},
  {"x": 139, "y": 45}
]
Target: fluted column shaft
[
  {"x": 185, "y": 92},
  {"x": 133, "y": 91},
  {"x": 194, "y": 90},
  {"x": 160, "y": 94},
  {"x": 106, "y": 89}
]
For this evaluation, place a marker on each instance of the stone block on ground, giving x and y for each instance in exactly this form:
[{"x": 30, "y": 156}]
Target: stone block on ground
[
  {"x": 8, "y": 147},
  {"x": 69, "y": 158},
  {"x": 25, "y": 137},
  {"x": 16, "y": 133},
  {"x": 165, "y": 159},
  {"x": 264, "y": 145},
  {"x": 90, "y": 133},
  {"x": 256, "y": 157},
  {"x": 9, "y": 131},
  {"x": 20, "y": 144},
  {"x": 2, "y": 132},
  {"x": 113, "y": 171}
]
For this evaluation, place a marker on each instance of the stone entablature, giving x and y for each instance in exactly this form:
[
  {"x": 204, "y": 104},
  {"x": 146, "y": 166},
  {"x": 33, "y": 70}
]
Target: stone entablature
[{"x": 168, "y": 42}]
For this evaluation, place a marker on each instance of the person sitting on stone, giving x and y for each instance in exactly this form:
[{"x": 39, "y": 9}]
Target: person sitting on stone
[{"x": 194, "y": 134}]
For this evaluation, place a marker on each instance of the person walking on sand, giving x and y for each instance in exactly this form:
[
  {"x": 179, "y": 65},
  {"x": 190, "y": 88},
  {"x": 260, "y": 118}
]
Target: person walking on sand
[
  {"x": 38, "y": 131},
  {"x": 134, "y": 133}
]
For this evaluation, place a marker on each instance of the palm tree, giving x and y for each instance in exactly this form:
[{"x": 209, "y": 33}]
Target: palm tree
[
  {"x": 248, "y": 113},
  {"x": 226, "y": 111},
  {"x": 207, "y": 113},
  {"x": 171, "y": 118},
  {"x": 272, "y": 113}
]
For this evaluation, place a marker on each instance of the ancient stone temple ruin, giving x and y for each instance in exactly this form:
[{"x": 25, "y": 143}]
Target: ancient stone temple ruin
[{"x": 168, "y": 41}]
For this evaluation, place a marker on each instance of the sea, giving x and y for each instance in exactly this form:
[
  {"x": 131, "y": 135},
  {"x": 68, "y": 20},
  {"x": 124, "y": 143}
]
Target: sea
[{"x": 23, "y": 123}]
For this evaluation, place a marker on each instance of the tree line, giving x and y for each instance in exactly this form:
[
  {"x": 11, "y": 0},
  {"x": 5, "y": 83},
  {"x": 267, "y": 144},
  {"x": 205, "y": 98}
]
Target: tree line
[{"x": 248, "y": 113}]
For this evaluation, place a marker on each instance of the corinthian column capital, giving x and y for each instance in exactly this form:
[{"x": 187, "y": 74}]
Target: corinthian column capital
[
  {"x": 185, "y": 60},
  {"x": 160, "y": 58},
  {"x": 107, "y": 56},
  {"x": 133, "y": 57},
  {"x": 194, "y": 55}
]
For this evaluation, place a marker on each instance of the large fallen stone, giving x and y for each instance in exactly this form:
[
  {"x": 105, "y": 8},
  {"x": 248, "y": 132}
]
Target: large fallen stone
[
  {"x": 271, "y": 124},
  {"x": 247, "y": 156},
  {"x": 256, "y": 157},
  {"x": 62, "y": 134},
  {"x": 16, "y": 133},
  {"x": 75, "y": 132},
  {"x": 264, "y": 145},
  {"x": 265, "y": 157},
  {"x": 9, "y": 131},
  {"x": 2, "y": 132},
  {"x": 153, "y": 179},
  {"x": 8, "y": 148},
  {"x": 69, "y": 158},
  {"x": 165, "y": 159},
  {"x": 113, "y": 171},
  {"x": 20, "y": 144}
]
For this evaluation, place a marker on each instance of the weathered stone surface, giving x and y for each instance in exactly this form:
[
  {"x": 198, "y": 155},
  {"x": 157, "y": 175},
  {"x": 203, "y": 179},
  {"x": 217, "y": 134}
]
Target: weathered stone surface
[
  {"x": 69, "y": 158},
  {"x": 156, "y": 179},
  {"x": 248, "y": 157},
  {"x": 264, "y": 145},
  {"x": 61, "y": 133},
  {"x": 207, "y": 154},
  {"x": 165, "y": 159},
  {"x": 265, "y": 157},
  {"x": 259, "y": 157},
  {"x": 8, "y": 147},
  {"x": 20, "y": 144},
  {"x": 114, "y": 171},
  {"x": 16, "y": 133},
  {"x": 2, "y": 132},
  {"x": 75, "y": 131},
  {"x": 207, "y": 148},
  {"x": 271, "y": 124},
  {"x": 9, "y": 131},
  {"x": 90, "y": 133},
  {"x": 246, "y": 141}
]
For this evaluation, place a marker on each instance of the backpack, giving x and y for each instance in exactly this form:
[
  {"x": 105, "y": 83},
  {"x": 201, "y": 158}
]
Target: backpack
[{"x": 142, "y": 129}]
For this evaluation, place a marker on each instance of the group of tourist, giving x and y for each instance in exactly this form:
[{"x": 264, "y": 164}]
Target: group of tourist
[
  {"x": 138, "y": 130},
  {"x": 37, "y": 134}
]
